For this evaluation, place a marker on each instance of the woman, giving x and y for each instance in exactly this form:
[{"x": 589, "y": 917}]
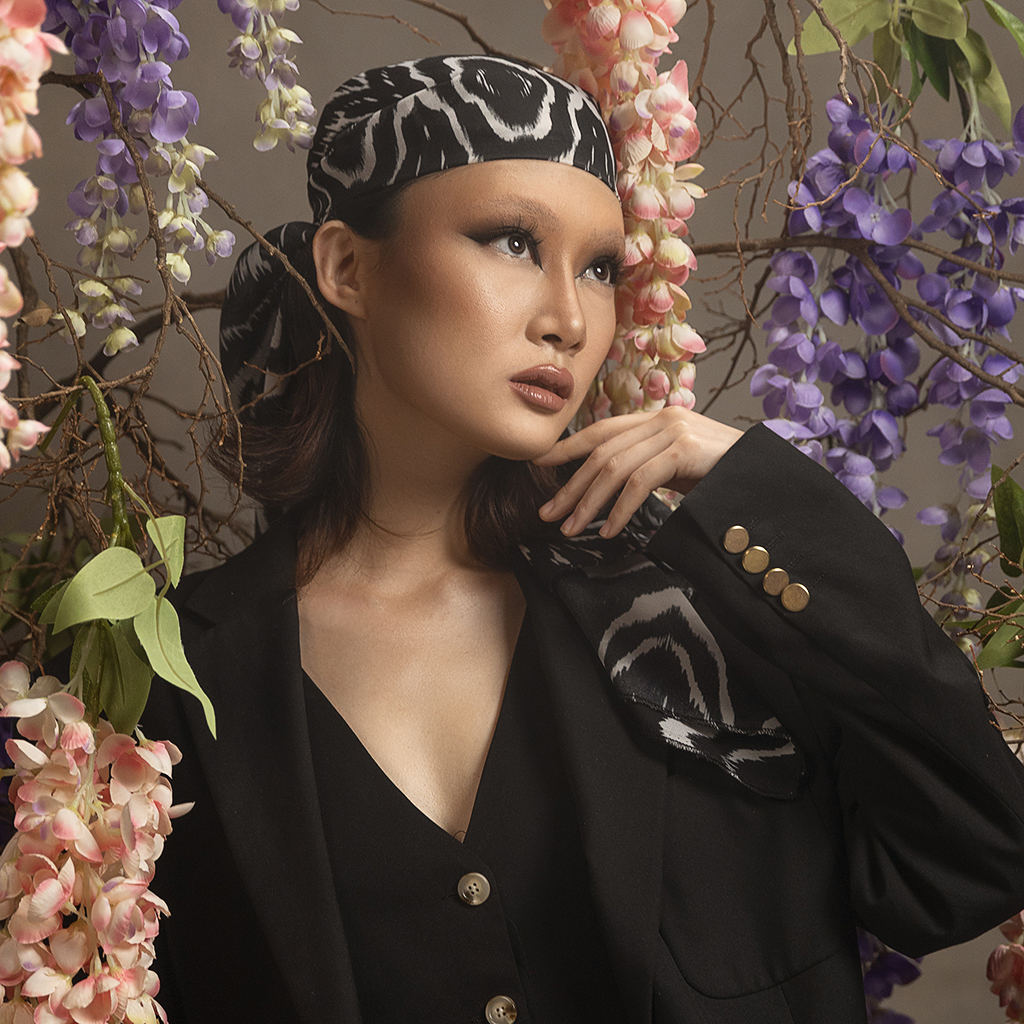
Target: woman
[{"x": 496, "y": 749}]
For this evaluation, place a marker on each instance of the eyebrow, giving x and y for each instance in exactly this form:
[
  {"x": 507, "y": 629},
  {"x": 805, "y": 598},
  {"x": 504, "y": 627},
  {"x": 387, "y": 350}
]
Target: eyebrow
[{"x": 541, "y": 210}]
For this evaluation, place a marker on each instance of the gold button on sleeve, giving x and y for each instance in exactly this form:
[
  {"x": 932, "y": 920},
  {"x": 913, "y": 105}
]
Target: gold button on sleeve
[
  {"x": 473, "y": 888},
  {"x": 775, "y": 581},
  {"x": 755, "y": 559},
  {"x": 736, "y": 539},
  {"x": 795, "y": 597},
  {"x": 501, "y": 1010}
]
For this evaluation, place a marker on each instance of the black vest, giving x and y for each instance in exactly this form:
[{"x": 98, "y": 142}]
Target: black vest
[{"x": 424, "y": 945}]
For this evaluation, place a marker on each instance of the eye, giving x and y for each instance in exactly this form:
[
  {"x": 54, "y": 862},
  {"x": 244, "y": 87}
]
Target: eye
[
  {"x": 514, "y": 243},
  {"x": 605, "y": 270}
]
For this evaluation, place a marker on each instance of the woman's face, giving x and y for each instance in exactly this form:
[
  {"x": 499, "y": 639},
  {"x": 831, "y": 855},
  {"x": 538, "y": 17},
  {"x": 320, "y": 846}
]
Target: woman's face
[{"x": 487, "y": 315}]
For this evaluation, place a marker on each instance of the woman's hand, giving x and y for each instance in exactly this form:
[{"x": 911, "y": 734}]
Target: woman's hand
[{"x": 630, "y": 456}]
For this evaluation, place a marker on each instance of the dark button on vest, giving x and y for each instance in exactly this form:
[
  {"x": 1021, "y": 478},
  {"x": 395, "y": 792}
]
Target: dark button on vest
[{"x": 500, "y": 927}]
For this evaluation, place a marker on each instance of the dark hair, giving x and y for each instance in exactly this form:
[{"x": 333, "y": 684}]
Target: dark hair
[{"x": 302, "y": 446}]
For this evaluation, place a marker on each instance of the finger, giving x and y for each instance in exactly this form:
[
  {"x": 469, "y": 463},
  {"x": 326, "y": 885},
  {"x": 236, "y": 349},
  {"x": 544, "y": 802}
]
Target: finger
[
  {"x": 621, "y": 471},
  {"x": 572, "y": 490},
  {"x": 642, "y": 481},
  {"x": 584, "y": 441}
]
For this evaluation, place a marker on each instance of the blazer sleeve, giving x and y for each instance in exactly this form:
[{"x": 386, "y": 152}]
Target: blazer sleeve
[{"x": 930, "y": 797}]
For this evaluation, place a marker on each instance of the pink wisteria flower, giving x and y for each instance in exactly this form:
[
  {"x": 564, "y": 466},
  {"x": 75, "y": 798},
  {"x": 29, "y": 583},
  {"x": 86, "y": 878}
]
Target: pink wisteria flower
[
  {"x": 612, "y": 48},
  {"x": 1006, "y": 972},
  {"x": 24, "y": 57},
  {"x": 92, "y": 810}
]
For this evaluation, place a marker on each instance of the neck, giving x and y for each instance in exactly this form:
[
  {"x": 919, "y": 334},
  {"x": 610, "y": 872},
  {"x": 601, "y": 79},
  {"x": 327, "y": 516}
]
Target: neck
[{"x": 415, "y": 525}]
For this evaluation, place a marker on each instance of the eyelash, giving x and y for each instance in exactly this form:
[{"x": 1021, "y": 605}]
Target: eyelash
[{"x": 615, "y": 262}]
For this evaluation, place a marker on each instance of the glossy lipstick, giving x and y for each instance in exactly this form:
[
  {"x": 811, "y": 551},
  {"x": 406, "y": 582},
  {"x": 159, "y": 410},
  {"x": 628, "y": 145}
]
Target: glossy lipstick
[{"x": 546, "y": 387}]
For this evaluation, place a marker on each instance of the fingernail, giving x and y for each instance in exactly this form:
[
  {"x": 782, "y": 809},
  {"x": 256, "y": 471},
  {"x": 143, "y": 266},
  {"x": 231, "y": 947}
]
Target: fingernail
[
  {"x": 568, "y": 525},
  {"x": 546, "y": 509},
  {"x": 606, "y": 530}
]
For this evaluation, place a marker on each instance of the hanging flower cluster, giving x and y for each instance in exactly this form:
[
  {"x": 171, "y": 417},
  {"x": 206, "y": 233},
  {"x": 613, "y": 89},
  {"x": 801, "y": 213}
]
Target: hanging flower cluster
[
  {"x": 845, "y": 193},
  {"x": 1006, "y": 969},
  {"x": 133, "y": 44},
  {"x": 92, "y": 808},
  {"x": 261, "y": 51},
  {"x": 884, "y": 969},
  {"x": 612, "y": 48},
  {"x": 24, "y": 56}
]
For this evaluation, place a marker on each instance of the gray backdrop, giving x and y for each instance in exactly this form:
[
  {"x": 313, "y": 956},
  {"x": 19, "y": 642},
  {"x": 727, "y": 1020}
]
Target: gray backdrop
[{"x": 269, "y": 188}]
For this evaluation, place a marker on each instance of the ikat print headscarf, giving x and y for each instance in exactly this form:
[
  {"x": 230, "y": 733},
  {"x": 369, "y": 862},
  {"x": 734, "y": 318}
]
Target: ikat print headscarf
[{"x": 383, "y": 128}]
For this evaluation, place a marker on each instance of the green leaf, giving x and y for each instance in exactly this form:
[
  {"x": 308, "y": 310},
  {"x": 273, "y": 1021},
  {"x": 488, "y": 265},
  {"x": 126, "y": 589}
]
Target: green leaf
[
  {"x": 987, "y": 623},
  {"x": 168, "y": 534},
  {"x": 84, "y": 639},
  {"x": 1012, "y": 24},
  {"x": 97, "y": 657},
  {"x": 49, "y": 602},
  {"x": 975, "y": 49},
  {"x": 1000, "y": 597},
  {"x": 887, "y": 54},
  {"x": 1008, "y": 502},
  {"x": 855, "y": 19},
  {"x": 992, "y": 92},
  {"x": 114, "y": 585},
  {"x": 1005, "y": 646},
  {"x": 944, "y": 19},
  {"x": 56, "y": 643},
  {"x": 124, "y": 687},
  {"x": 933, "y": 55},
  {"x": 159, "y": 632}
]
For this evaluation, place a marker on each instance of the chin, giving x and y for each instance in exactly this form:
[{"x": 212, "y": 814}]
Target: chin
[{"x": 522, "y": 445}]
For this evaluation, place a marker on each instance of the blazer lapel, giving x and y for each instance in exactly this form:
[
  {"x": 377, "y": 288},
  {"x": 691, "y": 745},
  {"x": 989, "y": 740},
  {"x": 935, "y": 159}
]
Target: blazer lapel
[
  {"x": 260, "y": 770},
  {"x": 619, "y": 790}
]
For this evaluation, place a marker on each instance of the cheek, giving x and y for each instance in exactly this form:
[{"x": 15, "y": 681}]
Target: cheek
[
  {"x": 458, "y": 297},
  {"x": 601, "y": 324}
]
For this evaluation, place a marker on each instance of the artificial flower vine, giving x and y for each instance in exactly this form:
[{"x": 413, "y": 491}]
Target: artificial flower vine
[
  {"x": 261, "y": 51},
  {"x": 24, "y": 56},
  {"x": 845, "y": 192},
  {"x": 133, "y": 44},
  {"x": 612, "y": 48},
  {"x": 92, "y": 810},
  {"x": 91, "y": 794}
]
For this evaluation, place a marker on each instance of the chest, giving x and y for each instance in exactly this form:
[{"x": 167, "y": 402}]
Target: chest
[{"x": 420, "y": 682}]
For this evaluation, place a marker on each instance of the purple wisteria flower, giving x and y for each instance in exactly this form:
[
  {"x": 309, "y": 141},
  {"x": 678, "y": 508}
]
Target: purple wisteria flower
[
  {"x": 884, "y": 969},
  {"x": 874, "y": 382},
  {"x": 133, "y": 43}
]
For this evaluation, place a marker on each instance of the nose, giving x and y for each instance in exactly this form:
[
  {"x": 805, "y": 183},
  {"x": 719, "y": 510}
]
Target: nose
[{"x": 558, "y": 318}]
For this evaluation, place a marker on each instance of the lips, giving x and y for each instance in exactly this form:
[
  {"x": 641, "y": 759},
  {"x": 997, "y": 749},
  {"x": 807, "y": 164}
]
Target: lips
[{"x": 556, "y": 379}]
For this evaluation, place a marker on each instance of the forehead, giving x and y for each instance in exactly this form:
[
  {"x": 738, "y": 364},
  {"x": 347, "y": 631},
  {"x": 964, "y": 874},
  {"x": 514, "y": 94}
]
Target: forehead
[{"x": 539, "y": 190}]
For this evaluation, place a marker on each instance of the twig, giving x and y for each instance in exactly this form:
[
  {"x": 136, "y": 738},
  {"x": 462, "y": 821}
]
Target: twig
[
  {"x": 31, "y": 296},
  {"x": 273, "y": 250},
  {"x": 845, "y": 53},
  {"x": 463, "y": 20},
  {"x": 380, "y": 17}
]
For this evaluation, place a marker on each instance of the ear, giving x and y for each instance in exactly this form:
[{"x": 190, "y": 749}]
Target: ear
[{"x": 341, "y": 257}]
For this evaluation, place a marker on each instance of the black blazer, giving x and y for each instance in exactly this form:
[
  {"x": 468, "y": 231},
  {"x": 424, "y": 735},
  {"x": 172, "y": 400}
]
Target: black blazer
[{"x": 718, "y": 906}]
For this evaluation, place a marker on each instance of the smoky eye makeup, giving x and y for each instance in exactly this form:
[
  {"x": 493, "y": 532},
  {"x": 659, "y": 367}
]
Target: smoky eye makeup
[
  {"x": 615, "y": 264},
  {"x": 516, "y": 228},
  {"x": 519, "y": 231}
]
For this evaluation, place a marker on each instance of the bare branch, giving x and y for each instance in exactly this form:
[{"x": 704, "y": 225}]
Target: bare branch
[
  {"x": 380, "y": 17},
  {"x": 463, "y": 20}
]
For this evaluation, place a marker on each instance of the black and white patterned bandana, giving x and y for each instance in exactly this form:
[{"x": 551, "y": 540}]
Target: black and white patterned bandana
[
  {"x": 386, "y": 127},
  {"x": 404, "y": 121},
  {"x": 663, "y": 661}
]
